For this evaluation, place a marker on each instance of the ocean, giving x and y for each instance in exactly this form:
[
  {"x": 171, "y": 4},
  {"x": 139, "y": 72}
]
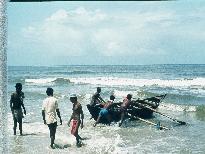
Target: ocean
[{"x": 185, "y": 101}]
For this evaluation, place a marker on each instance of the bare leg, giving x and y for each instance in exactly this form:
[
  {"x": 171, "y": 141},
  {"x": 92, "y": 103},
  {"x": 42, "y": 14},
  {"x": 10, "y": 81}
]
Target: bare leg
[
  {"x": 15, "y": 125},
  {"x": 20, "y": 126},
  {"x": 77, "y": 136},
  {"x": 52, "y": 129},
  {"x": 122, "y": 118},
  {"x": 97, "y": 121}
]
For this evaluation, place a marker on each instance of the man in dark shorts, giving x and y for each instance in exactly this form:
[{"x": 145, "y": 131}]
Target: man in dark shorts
[
  {"x": 49, "y": 110},
  {"x": 16, "y": 102}
]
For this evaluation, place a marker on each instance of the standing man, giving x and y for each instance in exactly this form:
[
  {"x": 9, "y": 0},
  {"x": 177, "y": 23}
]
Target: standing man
[
  {"x": 49, "y": 110},
  {"x": 76, "y": 118},
  {"x": 16, "y": 102}
]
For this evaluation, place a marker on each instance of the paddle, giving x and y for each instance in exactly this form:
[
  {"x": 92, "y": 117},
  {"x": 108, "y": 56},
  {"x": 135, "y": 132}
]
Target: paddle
[
  {"x": 101, "y": 100},
  {"x": 181, "y": 122},
  {"x": 149, "y": 122}
]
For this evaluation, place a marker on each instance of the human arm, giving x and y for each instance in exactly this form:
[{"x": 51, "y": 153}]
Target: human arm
[
  {"x": 59, "y": 115},
  {"x": 11, "y": 104},
  {"x": 101, "y": 100},
  {"x": 97, "y": 121},
  {"x": 82, "y": 117},
  {"x": 70, "y": 120},
  {"x": 43, "y": 112},
  {"x": 22, "y": 104},
  {"x": 58, "y": 111},
  {"x": 23, "y": 108},
  {"x": 43, "y": 115}
]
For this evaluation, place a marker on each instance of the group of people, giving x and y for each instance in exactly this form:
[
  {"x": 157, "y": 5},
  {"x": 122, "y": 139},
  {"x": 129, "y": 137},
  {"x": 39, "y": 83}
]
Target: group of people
[
  {"x": 50, "y": 111},
  {"x": 106, "y": 106}
]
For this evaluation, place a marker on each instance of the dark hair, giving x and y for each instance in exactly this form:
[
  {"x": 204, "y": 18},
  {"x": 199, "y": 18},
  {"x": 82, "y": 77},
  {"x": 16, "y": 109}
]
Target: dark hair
[
  {"x": 74, "y": 99},
  {"x": 98, "y": 88},
  {"x": 18, "y": 85},
  {"x": 49, "y": 91},
  {"x": 112, "y": 97},
  {"x": 129, "y": 96}
]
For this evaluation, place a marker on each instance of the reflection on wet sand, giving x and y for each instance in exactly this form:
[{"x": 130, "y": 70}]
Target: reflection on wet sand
[{"x": 18, "y": 145}]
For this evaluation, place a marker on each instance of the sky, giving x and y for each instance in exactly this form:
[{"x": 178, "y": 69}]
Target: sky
[{"x": 106, "y": 33}]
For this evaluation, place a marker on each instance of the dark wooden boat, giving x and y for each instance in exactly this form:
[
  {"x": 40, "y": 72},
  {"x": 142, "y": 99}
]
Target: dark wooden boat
[{"x": 138, "y": 108}]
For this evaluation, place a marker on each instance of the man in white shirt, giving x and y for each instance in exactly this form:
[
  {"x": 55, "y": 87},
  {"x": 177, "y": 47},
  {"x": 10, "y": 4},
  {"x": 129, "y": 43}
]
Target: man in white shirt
[{"x": 49, "y": 110}]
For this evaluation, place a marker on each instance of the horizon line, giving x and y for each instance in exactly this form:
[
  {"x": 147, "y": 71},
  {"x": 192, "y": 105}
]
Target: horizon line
[{"x": 96, "y": 65}]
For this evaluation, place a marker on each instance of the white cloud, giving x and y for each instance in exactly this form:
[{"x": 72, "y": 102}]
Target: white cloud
[
  {"x": 58, "y": 16},
  {"x": 79, "y": 31}
]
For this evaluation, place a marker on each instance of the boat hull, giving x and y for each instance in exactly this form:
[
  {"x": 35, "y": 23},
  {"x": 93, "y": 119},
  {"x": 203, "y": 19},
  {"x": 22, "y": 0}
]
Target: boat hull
[
  {"x": 115, "y": 114},
  {"x": 138, "y": 108}
]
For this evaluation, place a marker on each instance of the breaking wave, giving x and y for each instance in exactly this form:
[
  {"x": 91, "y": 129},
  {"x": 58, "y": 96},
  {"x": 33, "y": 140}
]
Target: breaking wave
[
  {"x": 115, "y": 81},
  {"x": 179, "y": 108},
  {"x": 48, "y": 80},
  {"x": 197, "y": 83},
  {"x": 73, "y": 72}
]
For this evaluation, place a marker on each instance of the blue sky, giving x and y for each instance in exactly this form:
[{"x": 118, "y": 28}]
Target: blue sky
[{"x": 106, "y": 33}]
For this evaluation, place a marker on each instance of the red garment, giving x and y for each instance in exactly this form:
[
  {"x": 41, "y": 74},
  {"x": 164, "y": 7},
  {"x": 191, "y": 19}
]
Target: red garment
[{"x": 74, "y": 127}]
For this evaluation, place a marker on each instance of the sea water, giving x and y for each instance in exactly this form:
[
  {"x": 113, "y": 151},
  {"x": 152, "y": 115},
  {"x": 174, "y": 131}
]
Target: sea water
[{"x": 185, "y": 100}]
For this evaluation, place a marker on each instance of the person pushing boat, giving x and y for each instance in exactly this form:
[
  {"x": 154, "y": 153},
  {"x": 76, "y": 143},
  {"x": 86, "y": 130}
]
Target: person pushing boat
[
  {"x": 96, "y": 98},
  {"x": 123, "y": 108},
  {"x": 104, "y": 112}
]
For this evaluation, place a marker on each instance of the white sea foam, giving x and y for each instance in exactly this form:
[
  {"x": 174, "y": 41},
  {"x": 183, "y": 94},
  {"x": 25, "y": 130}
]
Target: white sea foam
[
  {"x": 29, "y": 128},
  {"x": 115, "y": 81},
  {"x": 175, "y": 107},
  {"x": 87, "y": 96},
  {"x": 40, "y": 81},
  {"x": 103, "y": 144},
  {"x": 122, "y": 94}
]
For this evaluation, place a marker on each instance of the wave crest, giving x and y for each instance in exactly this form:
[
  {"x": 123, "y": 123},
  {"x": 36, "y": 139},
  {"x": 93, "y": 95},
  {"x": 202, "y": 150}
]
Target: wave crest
[
  {"x": 115, "y": 81},
  {"x": 48, "y": 80}
]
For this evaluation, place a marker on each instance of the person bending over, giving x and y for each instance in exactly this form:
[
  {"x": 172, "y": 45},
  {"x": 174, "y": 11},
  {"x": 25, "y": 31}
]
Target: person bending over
[
  {"x": 123, "y": 108},
  {"x": 96, "y": 98},
  {"x": 104, "y": 112}
]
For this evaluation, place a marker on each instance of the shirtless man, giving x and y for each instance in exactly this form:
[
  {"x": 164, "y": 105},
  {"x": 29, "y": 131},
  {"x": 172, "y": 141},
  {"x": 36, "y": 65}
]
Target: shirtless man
[
  {"x": 16, "y": 102},
  {"x": 77, "y": 118},
  {"x": 104, "y": 112},
  {"x": 123, "y": 108},
  {"x": 96, "y": 98}
]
